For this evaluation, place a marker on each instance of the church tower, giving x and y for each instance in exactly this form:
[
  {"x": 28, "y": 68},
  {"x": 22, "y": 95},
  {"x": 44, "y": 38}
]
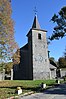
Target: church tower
[{"x": 38, "y": 52}]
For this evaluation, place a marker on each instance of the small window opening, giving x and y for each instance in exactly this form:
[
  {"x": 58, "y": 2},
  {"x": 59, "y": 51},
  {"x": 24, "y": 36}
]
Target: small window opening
[
  {"x": 39, "y": 36},
  {"x": 45, "y": 60}
]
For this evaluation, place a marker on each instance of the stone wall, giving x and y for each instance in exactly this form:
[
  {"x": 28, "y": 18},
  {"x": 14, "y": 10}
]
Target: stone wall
[
  {"x": 1, "y": 75},
  {"x": 62, "y": 73},
  {"x": 41, "y": 75},
  {"x": 53, "y": 73},
  {"x": 4, "y": 76},
  {"x": 40, "y": 55}
]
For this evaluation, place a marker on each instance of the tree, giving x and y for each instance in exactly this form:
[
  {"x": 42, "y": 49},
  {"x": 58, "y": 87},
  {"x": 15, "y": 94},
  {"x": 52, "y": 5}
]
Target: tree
[
  {"x": 8, "y": 46},
  {"x": 52, "y": 61},
  {"x": 16, "y": 57},
  {"x": 62, "y": 62},
  {"x": 60, "y": 28},
  {"x": 8, "y": 67},
  {"x": 52, "y": 58}
]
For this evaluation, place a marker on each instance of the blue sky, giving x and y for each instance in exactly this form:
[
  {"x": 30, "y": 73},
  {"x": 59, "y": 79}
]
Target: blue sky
[{"x": 23, "y": 15}]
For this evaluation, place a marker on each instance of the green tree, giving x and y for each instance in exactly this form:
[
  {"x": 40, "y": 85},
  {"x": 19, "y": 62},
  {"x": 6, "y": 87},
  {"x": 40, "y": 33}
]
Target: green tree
[
  {"x": 60, "y": 28},
  {"x": 62, "y": 62},
  {"x": 52, "y": 58},
  {"x": 52, "y": 61},
  {"x": 8, "y": 46}
]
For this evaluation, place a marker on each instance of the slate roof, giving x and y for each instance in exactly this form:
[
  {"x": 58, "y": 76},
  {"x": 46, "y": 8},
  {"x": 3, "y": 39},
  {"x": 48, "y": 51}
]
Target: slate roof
[
  {"x": 36, "y": 23},
  {"x": 25, "y": 47},
  {"x": 51, "y": 66}
]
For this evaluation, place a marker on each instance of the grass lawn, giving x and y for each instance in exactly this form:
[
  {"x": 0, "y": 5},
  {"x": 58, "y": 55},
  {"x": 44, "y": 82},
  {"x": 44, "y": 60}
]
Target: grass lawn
[{"x": 8, "y": 87}]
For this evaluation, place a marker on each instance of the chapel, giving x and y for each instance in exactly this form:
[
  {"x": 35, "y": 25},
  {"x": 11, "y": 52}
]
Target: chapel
[{"x": 34, "y": 60}]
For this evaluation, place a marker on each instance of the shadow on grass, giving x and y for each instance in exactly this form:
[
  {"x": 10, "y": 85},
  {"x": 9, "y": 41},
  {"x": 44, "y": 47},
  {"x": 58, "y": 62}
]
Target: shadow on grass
[
  {"x": 35, "y": 89},
  {"x": 57, "y": 89},
  {"x": 25, "y": 88}
]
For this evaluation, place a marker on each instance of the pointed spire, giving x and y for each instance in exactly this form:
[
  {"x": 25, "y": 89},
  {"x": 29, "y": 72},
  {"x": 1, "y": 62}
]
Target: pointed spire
[{"x": 36, "y": 23}]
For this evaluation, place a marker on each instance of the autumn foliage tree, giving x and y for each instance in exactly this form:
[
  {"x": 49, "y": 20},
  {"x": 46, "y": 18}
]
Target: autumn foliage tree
[{"x": 8, "y": 46}]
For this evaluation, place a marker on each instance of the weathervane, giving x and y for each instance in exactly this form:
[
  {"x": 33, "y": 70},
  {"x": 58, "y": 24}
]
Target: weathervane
[{"x": 35, "y": 10}]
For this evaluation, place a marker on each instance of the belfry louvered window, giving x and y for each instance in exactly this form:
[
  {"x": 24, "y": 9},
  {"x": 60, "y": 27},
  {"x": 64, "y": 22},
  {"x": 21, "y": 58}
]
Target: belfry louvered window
[{"x": 39, "y": 36}]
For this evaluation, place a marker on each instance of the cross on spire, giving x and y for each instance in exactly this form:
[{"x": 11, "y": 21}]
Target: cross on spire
[{"x": 35, "y": 10}]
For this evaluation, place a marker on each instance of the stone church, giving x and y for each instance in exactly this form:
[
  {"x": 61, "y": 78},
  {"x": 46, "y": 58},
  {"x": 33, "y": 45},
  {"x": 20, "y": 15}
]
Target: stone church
[{"x": 34, "y": 61}]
